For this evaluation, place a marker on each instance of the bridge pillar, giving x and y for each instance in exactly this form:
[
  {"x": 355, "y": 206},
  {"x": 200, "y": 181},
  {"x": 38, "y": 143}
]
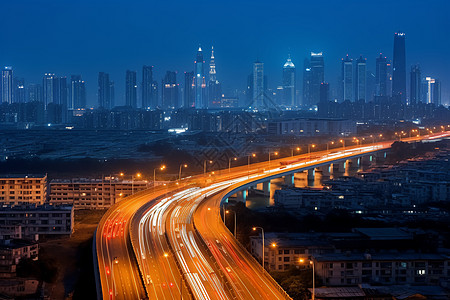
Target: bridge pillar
[
  {"x": 311, "y": 175},
  {"x": 337, "y": 169},
  {"x": 325, "y": 170},
  {"x": 241, "y": 196},
  {"x": 289, "y": 180},
  {"x": 266, "y": 188}
]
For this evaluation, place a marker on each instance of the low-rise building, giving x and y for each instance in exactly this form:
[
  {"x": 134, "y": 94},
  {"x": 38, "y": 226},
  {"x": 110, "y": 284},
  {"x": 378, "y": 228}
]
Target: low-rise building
[
  {"x": 342, "y": 269},
  {"x": 41, "y": 220},
  {"x": 312, "y": 127},
  {"x": 23, "y": 189},
  {"x": 18, "y": 287},
  {"x": 85, "y": 193},
  {"x": 12, "y": 251}
]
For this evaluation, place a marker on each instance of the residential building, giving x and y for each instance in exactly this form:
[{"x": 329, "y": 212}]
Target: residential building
[
  {"x": 7, "y": 85},
  {"x": 104, "y": 91},
  {"x": 147, "y": 81},
  {"x": 130, "y": 89},
  {"x": 381, "y": 76},
  {"x": 169, "y": 91},
  {"x": 78, "y": 92},
  {"x": 23, "y": 189},
  {"x": 46, "y": 220},
  {"x": 12, "y": 251},
  {"x": 312, "y": 127},
  {"x": 360, "y": 79},
  {"x": 289, "y": 83},
  {"x": 399, "y": 68},
  {"x": 416, "y": 84},
  {"x": 93, "y": 193},
  {"x": 347, "y": 79},
  {"x": 200, "y": 100}
]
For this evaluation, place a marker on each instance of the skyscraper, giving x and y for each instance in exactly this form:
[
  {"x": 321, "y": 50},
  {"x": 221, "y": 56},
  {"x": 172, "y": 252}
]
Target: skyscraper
[
  {"x": 381, "y": 76},
  {"x": 214, "y": 87},
  {"x": 347, "y": 79},
  {"x": 155, "y": 95},
  {"x": 306, "y": 99},
  {"x": 104, "y": 91},
  {"x": 77, "y": 92},
  {"x": 130, "y": 89},
  {"x": 147, "y": 81},
  {"x": 50, "y": 88},
  {"x": 112, "y": 93},
  {"x": 289, "y": 83},
  {"x": 416, "y": 84},
  {"x": 199, "y": 81},
  {"x": 360, "y": 77},
  {"x": 170, "y": 91},
  {"x": 258, "y": 84},
  {"x": 433, "y": 95},
  {"x": 7, "y": 85},
  {"x": 399, "y": 72},
  {"x": 34, "y": 92},
  {"x": 317, "y": 76},
  {"x": 19, "y": 90},
  {"x": 189, "y": 91}
]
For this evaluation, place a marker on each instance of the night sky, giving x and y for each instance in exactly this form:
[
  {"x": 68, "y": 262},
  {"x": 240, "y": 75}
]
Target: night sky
[{"x": 88, "y": 36}]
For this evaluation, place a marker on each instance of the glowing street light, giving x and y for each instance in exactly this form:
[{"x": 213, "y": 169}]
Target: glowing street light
[
  {"x": 162, "y": 168},
  {"x": 235, "y": 223},
  {"x": 262, "y": 235},
  {"x": 270, "y": 153},
  {"x": 181, "y": 166},
  {"x": 311, "y": 262},
  {"x": 204, "y": 165},
  {"x": 229, "y": 163},
  {"x": 292, "y": 150}
]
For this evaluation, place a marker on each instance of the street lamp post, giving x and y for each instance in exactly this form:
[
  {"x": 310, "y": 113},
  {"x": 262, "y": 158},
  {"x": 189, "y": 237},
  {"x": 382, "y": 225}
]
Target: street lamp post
[
  {"x": 328, "y": 146},
  {"x": 229, "y": 163},
  {"x": 343, "y": 143},
  {"x": 204, "y": 166},
  {"x": 309, "y": 150},
  {"x": 292, "y": 150},
  {"x": 311, "y": 262},
  {"x": 262, "y": 234},
  {"x": 248, "y": 163},
  {"x": 154, "y": 173},
  {"x": 181, "y": 166},
  {"x": 274, "y": 153}
]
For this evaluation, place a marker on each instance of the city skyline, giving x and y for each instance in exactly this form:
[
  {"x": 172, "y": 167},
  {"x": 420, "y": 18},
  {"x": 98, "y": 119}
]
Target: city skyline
[{"x": 117, "y": 53}]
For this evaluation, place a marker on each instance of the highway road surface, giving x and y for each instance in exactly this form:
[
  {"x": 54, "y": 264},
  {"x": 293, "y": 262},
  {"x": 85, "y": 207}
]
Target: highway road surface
[{"x": 170, "y": 242}]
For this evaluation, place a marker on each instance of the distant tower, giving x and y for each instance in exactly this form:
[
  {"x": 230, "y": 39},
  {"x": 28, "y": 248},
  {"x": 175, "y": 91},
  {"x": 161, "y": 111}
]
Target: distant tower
[
  {"x": 214, "y": 87},
  {"x": 258, "y": 84},
  {"x": 289, "y": 83},
  {"x": 416, "y": 84},
  {"x": 147, "y": 81},
  {"x": 189, "y": 89},
  {"x": 7, "y": 85},
  {"x": 381, "y": 76},
  {"x": 399, "y": 72},
  {"x": 347, "y": 79},
  {"x": 317, "y": 76},
  {"x": 360, "y": 78},
  {"x": 49, "y": 88},
  {"x": 169, "y": 89},
  {"x": 112, "y": 93},
  {"x": 78, "y": 92},
  {"x": 306, "y": 83},
  {"x": 199, "y": 81},
  {"x": 130, "y": 89},
  {"x": 34, "y": 92},
  {"x": 104, "y": 91}
]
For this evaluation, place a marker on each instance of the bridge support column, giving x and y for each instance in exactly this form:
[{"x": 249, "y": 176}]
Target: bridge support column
[
  {"x": 311, "y": 175},
  {"x": 289, "y": 180},
  {"x": 241, "y": 196},
  {"x": 337, "y": 169},
  {"x": 325, "y": 170},
  {"x": 266, "y": 188}
]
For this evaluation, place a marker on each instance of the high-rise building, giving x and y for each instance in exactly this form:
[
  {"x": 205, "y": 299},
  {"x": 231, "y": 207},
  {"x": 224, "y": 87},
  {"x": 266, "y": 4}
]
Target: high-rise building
[
  {"x": 112, "y": 93},
  {"x": 189, "y": 90},
  {"x": 214, "y": 87},
  {"x": 381, "y": 76},
  {"x": 306, "y": 99},
  {"x": 399, "y": 71},
  {"x": 324, "y": 92},
  {"x": 147, "y": 81},
  {"x": 104, "y": 91},
  {"x": 77, "y": 92},
  {"x": 169, "y": 90},
  {"x": 317, "y": 76},
  {"x": 19, "y": 90},
  {"x": 7, "y": 85},
  {"x": 347, "y": 79},
  {"x": 155, "y": 95},
  {"x": 433, "y": 95},
  {"x": 34, "y": 92},
  {"x": 390, "y": 71},
  {"x": 416, "y": 84},
  {"x": 200, "y": 81},
  {"x": 289, "y": 83},
  {"x": 360, "y": 79},
  {"x": 258, "y": 84},
  {"x": 130, "y": 89},
  {"x": 50, "y": 88}
]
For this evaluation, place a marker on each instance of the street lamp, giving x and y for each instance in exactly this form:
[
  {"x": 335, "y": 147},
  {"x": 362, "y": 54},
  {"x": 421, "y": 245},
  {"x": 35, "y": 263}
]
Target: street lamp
[
  {"x": 343, "y": 143},
  {"x": 248, "y": 163},
  {"x": 274, "y": 153},
  {"x": 179, "y": 174},
  {"x": 163, "y": 167},
  {"x": 309, "y": 150},
  {"x": 204, "y": 165},
  {"x": 235, "y": 227},
  {"x": 229, "y": 163},
  {"x": 328, "y": 147},
  {"x": 311, "y": 262},
  {"x": 292, "y": 150},
  {"x": 262, "y": 231}
]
